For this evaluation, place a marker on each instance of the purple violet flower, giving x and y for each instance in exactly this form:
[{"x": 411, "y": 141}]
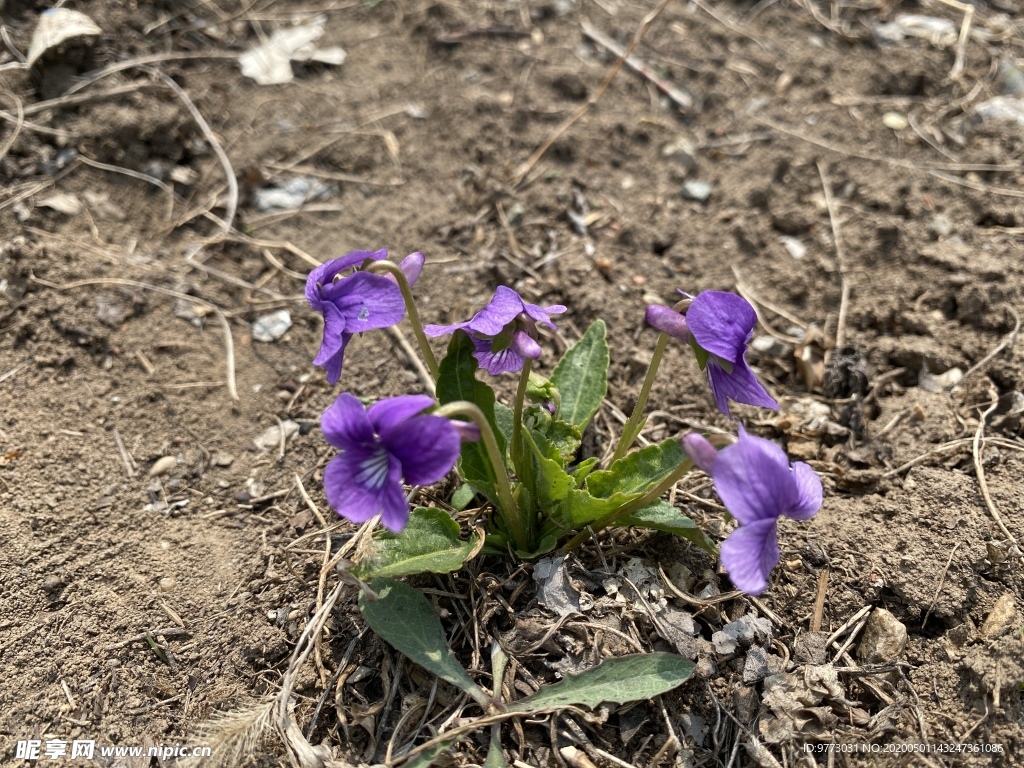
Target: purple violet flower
[
  {"x": 718, "y": 325},
  {"x": 757, "y": 484},
  {"x": 359, "y": 302},
  {"x": 503, "y": 332},
  {"x": 380, "y": 447}
]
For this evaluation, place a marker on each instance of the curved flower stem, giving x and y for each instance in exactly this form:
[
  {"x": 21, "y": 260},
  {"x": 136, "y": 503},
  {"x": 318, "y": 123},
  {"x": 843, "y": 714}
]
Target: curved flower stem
[
  {"x": 518, "y": 449},
  {"x": 628, "y": 509},
  {"x": 506, "y": 501},
  {"x": 635, "y": 418},
  {"x": 414, "y": 316}
]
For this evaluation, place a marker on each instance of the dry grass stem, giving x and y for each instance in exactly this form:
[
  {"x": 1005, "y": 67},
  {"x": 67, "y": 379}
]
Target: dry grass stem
[
  {"x": 819, "y": 600},
  {"x": 215, "y": 145},
  {"x": 19, "y": 123},
  {"x": 844, "y": 293},
  {"x": 979, "y": 470},
  {"x": 135, "y": 175}
]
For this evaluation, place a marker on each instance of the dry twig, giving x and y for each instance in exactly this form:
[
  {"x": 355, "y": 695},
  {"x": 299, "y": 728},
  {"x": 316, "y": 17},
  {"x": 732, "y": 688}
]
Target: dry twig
[
  {"x": 844, "y": 295},
  {"x": 979, "y": 470}
]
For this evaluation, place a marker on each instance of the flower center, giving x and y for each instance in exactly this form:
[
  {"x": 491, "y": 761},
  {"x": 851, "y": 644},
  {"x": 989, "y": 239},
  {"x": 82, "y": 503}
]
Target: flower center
[{"x": 373, "y": 472}]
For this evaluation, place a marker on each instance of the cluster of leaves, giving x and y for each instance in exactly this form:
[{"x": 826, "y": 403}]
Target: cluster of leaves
[{"x": 556, "y": 492}]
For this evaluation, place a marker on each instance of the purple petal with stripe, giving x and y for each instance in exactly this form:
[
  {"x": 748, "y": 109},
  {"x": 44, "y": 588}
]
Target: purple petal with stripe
[{"x": 426, "y": 446}]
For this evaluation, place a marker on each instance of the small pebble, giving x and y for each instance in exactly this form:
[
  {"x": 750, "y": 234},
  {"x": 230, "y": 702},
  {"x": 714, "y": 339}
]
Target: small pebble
[
  {"x": 810, "y": 648},
  {"x": 794, "y": 247},
  {"x": 273, "y": 326},
  {"x": 941, "y": 226},
  {"x": 53, "y": 583},
  {"x": 272, "y": 437},
  {"x": 163, "y": 466},
  {"x": 755, "y": 668},
  {"x": 1002, "y": 617},
  {"x": 884, "y": 638},
  {"x": 697, "y": 190},
  {"x": 895, "y": 120},
  {"x": 222, "y": 459},
  {"x": 771, "y": 346},
  {"x": 167, "y": 584}
]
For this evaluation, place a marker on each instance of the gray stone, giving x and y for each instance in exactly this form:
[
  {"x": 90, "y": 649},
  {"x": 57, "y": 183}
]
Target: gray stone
[
  {"x": 697, "y": 190},
  {"x": 884, "y": 638},
  {"x": 1002, "y": 617},
  {"x": 755, "y": 669},
  {"x": 940, "y": 227},
  {"x": 273, "y": 326}
]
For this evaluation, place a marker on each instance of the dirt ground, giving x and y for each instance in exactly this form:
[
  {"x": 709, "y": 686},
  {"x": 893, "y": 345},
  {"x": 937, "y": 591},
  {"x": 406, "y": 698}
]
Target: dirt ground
[{"x": 157, "y": 566}]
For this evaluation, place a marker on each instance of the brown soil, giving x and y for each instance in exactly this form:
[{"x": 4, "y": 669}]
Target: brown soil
[{"x": 439, "y": 103}]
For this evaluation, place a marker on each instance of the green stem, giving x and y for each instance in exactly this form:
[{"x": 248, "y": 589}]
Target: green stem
[
  {"x": 629, "y": 431},
  {"x": 628, "y": 509},
  {"x": 506, "y": 501},
  {"x": 410, "y": 306},
  {"x": 518, "y": 449}
]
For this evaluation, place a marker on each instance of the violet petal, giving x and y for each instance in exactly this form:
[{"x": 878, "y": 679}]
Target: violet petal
[
  {"x": 412, "y": 265},
  {"x": 525, "y": 346},
  {"x": 808, "y": 492},
  {"x": 367, "y": 301},
  {"x": 433, "y": 331},
  {"x": 426, "y": 446},
  {"x": 541, "y": 315},
  {"x": 721, "y": 323},
  {"x": 499, "y": 312},
  {"x": 749, "y": 553},
  {"x": 345, "y": 424},
  {"x": 385, "y": 414},
  {"x": 497, "y": 363},
  {"x": 324, "y": 274},
  {"x": 365, "y": 481},
  {"x": 753, "y": 479},
  {"x": 334, "y": 329},
  {"x": 741, "y": 385}
]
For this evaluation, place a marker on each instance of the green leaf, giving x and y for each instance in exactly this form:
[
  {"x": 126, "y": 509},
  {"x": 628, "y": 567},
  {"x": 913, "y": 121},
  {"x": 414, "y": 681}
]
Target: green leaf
[
  {"x": 581, "y": 376},
  {"x": 584, "y": 468},
  {"x": 458, "y": 382},
  {"x": 404, "y": 618},
  {"x": 565, "y": 437},
  {"x": 429, "y": 543},
  {"x": 503, "y": 417},
  {"x": 662, "y": 516},
  {"x": 547, "y": 543},
  {"x": 626, "y": 678},
  {"x": 463, "y": 496},
  {"x": 499, "y": 661},
  {"x": 552, "y": 482},
  {"x": 582, "y": 508},
  {"x": 638, "y": 472},
  {"x": 495, "y": 757},
  {"x": 428, "y": 757}
]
